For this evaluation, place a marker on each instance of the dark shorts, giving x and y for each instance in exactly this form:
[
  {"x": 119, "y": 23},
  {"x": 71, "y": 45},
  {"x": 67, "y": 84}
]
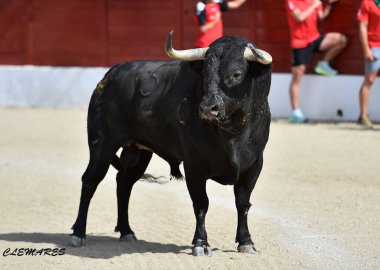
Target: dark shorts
[{"x": 302, "y": 56}]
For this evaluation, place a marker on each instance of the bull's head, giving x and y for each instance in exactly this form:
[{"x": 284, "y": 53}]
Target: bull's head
[{"x": 231, "y": 77}]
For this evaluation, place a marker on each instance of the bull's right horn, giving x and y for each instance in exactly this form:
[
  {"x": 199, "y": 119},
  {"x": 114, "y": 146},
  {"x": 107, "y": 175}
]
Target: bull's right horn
[
  {"x": 186, "y": 55},
  {"x": 251, "y": 53}
]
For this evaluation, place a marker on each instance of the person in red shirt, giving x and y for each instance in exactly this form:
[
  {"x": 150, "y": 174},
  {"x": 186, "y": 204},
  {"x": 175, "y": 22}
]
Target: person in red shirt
[
  {"x": 303, "y": 18},
  {"x": 209, "y": 19},
  {"x": 369, "y": 33}
]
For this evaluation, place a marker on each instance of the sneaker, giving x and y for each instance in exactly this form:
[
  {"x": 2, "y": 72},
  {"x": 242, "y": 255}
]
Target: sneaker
[
  {"x": 323, "y": 68},
  {"x": 365, "y": 122},
  {"x": 296, "y": 118}
]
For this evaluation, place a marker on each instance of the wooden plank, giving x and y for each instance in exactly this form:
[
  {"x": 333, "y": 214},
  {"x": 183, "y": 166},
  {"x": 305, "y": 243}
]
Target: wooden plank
[
  {"x": 67, "y": 33},
  {"x": 102, "y": 32},
  {"x": 132, "y": 36},
  {"x": 14, "y": 32}
]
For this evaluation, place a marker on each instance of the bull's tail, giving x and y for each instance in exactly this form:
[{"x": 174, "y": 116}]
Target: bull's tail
[{"x": 174, "y": 173}]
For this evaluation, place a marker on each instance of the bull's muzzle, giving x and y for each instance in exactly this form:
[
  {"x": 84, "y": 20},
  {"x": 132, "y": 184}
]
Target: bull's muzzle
[
  {"x": 212, "y": 111},
  {"x": 209, "y": 111}
]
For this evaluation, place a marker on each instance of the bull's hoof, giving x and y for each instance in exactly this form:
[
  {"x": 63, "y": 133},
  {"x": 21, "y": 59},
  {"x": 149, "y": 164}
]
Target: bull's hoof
[
  {"x": 201, "y": 251},
  {"x": 129, "y": 238},
  {"x": 75, "y": 241},
  {"x": 249, "y": 249}
]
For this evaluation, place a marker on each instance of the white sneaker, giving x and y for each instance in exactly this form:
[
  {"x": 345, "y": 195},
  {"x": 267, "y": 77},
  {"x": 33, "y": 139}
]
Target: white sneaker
[{"x": 323, "y": 68}]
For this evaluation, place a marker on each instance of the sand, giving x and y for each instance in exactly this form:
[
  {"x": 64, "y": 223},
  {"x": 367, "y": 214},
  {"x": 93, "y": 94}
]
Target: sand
[{"x": 315, "y": 206}]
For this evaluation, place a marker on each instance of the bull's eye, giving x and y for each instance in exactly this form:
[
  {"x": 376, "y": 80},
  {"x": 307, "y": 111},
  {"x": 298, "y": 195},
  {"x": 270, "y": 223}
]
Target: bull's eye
[{"x": 237, "y": 76}]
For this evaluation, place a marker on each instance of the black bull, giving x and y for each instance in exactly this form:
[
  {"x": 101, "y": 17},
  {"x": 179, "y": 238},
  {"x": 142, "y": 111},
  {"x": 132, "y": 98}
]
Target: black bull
[{"x": 209, "y": 111}]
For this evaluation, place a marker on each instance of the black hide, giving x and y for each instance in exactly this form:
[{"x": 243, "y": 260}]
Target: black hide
[{"x": 212, "y": 115}]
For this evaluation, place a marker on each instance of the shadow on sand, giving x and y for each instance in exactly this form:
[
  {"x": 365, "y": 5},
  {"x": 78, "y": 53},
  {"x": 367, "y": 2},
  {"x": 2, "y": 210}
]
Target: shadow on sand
[{"x": 98, "y": 247}]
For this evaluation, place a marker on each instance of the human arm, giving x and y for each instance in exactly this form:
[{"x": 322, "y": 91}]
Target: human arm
[
  {"x": 207, "y": 26},
  {"x": 326, "y": 10},
  {"x": 200, "y": 11},
  {"x": 235, "y": 4},
  {"x": 300, "y": 16},
  {"x": 363, "y": 36}
]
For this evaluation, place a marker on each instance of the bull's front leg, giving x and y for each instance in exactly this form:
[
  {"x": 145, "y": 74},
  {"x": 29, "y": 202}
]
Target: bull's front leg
[
  {"x": 197, "y": 190},
  {"x": 243, "y": 190}
]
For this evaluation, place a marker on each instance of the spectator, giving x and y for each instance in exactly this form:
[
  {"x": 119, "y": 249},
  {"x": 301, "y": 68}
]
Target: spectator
[
  {"x": 209, "y": 19},
  {"x": 303, "y": 18},
  {"x": 369, "y": 33}
]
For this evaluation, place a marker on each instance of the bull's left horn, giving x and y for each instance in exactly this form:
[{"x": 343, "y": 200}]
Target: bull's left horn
[
  {"x": 186, "y": 55},
  {"x": 251, "y": 53}
]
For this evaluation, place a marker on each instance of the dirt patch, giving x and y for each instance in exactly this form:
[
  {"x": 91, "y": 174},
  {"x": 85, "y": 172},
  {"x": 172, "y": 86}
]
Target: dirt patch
[{"x": 316, "y": 204}]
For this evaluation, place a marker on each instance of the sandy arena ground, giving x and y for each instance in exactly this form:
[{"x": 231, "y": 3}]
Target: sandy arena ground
[{"x": 316, "y": 204}]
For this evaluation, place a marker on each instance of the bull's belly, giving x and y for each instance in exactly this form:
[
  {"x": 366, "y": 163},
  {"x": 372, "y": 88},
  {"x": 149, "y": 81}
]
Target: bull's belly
[
  {"x": 225, "y": 179},
  {"x": 222, "y": 166},
  {"x": 169, "y": 150}
]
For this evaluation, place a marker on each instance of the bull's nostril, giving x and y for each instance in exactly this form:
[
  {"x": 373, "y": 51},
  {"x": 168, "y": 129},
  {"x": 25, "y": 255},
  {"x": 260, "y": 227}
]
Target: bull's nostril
[{"x": 214, "y": 110}]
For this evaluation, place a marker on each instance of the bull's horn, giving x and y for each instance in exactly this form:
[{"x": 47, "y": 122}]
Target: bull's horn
[
  {"x": 251, "y": 53},
  {"x": 186, "y": 55}
]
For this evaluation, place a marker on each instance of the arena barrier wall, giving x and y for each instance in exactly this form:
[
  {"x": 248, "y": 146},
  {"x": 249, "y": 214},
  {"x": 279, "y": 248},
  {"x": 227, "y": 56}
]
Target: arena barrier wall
[{"x": 322, "y": 98}]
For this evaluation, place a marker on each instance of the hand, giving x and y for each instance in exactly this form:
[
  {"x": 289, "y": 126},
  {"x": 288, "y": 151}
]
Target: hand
[
  {"x": 330, "y": 2},
  {"x": 317, "y": 3},
  {"x": 218, "y": 16},
  {"x": 368, "y": 55}
]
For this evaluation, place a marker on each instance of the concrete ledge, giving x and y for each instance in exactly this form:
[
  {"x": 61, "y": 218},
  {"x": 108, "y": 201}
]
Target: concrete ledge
[
  {"x": 32, "y": 86},
  {"x": 59, "y": 87},
  {"x": 321, "y": 97}
]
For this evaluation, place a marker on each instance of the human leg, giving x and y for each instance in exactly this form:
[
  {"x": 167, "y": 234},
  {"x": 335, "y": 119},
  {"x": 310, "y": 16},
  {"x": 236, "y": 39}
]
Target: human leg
[
  {"x": 371, "y": 70},
  {"x": 364, "y": 94},
  {"x": 332, "y": 44},
  {"x": 294, "y": 90}
]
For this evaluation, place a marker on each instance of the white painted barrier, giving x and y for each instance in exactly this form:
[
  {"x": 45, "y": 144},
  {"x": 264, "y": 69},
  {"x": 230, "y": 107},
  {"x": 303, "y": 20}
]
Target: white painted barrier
[
  {"x": 60, "y": 87},
  {"x": 57, "y": 87},
  {"x": 321, "y": 97}
]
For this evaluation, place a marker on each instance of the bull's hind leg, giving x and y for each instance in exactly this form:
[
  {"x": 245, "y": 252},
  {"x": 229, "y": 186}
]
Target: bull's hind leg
[
  {"x": 134, "y": 167},
  {"x": 243, "y": 190},
  {"x": 101, "y": 156}
]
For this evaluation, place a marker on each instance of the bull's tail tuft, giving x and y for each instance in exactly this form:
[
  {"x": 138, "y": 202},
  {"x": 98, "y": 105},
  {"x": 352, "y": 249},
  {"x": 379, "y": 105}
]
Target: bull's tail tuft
[{"x": 151, "y": 178}]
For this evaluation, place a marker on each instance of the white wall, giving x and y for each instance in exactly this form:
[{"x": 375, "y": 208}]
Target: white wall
[
  {"x": 320, "y": 98},
  {"x": 31, "y": 86}
]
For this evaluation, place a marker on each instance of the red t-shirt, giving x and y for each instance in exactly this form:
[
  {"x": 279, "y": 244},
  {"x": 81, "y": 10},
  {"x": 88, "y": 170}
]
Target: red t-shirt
[
  {"x": 206, "y": 13},
  {"x": 370, "y": 12},
  {"x": 304, "y": 33}
]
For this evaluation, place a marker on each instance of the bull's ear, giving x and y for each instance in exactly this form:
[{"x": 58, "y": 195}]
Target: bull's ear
[{"x": 251, "y": 53}]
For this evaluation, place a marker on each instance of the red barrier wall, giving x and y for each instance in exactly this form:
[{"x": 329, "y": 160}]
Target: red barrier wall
[{"x": 103, "y": 32}]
